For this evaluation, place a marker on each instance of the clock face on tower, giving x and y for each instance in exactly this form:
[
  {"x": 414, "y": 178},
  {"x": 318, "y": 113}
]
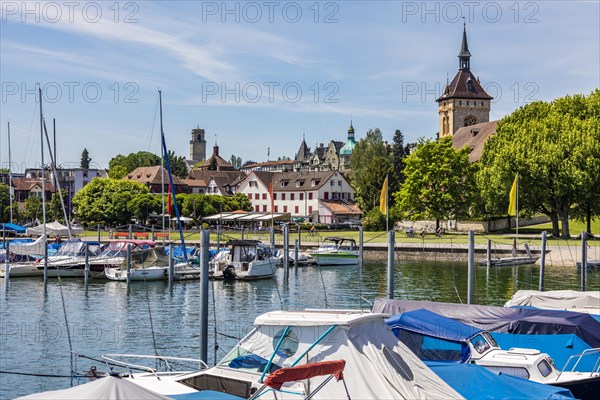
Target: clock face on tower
[{"x": 470, "y": 120}]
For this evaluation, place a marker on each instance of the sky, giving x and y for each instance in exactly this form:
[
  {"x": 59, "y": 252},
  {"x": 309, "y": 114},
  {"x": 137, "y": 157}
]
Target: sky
[{"x": 259, "y": 76}]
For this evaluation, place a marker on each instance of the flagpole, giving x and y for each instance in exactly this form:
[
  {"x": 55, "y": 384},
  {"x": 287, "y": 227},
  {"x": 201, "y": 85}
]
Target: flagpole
[{"x": 387, "y": 210}]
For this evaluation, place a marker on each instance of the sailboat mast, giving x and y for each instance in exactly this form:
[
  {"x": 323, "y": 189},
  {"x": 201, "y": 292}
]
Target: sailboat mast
[
  {"x": 10, "y": 188},
  {"x": 517, "y": 209},
  {"x": 43, "y": 188},
  {"x": 162, "y": 168}
]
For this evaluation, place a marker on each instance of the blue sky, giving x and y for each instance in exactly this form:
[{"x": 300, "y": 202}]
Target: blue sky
[{"x": 260, "y": 75}]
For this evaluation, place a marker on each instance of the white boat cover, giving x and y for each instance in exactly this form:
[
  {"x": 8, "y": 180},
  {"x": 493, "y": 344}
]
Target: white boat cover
[
  {"x": 32, "y": 249},
  {"x": 108, "y": 388},
  {"x": 569, "y": 300},
  {"x": 54, "y": 229},
  {"x": 378, "y": 365}
]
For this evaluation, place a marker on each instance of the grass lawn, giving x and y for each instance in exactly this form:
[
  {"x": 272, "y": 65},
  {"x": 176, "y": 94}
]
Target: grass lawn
[{"x": 530, "y": 233}]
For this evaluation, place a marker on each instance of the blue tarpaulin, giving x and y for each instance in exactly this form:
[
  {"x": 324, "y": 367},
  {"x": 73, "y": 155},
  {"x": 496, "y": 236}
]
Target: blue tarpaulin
[
  {"x": 477, "y": 382},
  {"x": 13, "y": 228},
  {"x": 432, "y": 324}
]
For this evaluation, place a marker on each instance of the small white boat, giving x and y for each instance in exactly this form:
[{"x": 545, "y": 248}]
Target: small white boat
[
  {"x": 336, "y": 251},
  {"x": 21, "y": 270},
  {"x": 155, "y": 273},
  {"x": 513, "y": 260},
  {"x": 245, "y": 260}
]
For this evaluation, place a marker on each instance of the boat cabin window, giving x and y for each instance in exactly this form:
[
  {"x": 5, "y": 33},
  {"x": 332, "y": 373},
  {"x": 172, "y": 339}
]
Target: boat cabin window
[
  {"x": 289, "y": 344},
  {"x": 242, "y": 359},
  {"x": 480, "y": 344},
  {"x": 519, "y": 372},
  {"x": 490, "y": 339},
  {"x": 544, "y": 368}
]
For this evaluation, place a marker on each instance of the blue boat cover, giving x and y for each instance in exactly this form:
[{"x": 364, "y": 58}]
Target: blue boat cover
[
  {"x": 505, "y": 319},
  {"x": 431, "y": 324},
  {"x": 13, "y": 228},
  {"x": 477, "y": 382},
  {"x": 205, "y": 395}
]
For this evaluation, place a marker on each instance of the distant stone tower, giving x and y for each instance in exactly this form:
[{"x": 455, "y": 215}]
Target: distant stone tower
[
  {"x": 198, "y": 145},
  {"x": 464, "y": 101}
]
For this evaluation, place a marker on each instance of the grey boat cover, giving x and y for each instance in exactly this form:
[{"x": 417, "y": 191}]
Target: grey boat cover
[
  {"x": 107, "y": 388},
  {"x": 504, "y": 319},
  {"x": 570, "y": 300}
]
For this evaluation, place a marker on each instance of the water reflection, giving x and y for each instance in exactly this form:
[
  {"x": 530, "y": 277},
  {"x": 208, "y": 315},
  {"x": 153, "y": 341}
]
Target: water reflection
[{"x": 107, "y": 318}]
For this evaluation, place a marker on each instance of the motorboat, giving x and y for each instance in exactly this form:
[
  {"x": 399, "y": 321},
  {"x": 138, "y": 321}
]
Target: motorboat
[
  {"x": 115, "y": 253},
  {"x": 294, "y": 354},
  {"x": 433, "y": 337},
  {"x": 336, "y": 251},
  {"x": 567, "y": 300},
  {"x": 512, "y": 260},
  {"x": 151, "y": 264},
  {"x": 244, "y": 260},
  {"x": 69, "y": 259}
]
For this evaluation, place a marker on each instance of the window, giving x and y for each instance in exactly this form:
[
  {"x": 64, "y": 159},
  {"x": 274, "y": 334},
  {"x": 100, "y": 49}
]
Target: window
[
  {"x": 288, "y": 346},
  {"x": 310, "y": 196},
  {"x": 340, "y": 183},
  {"x": 514, "y": 371},
  {"x": 264, "y": 208},
  {"x": 291, "y": 196},
  {"x": 296, "y": 210},
  {"x": 264, "y": 196},
  {"x": 309, "y": 209},
  {"x": 249, "y": 196},
  {"x": 256, "y": 196},
  {"x": 544, "y": 368},
  {"x": 252, "y": 183},
  {"x": 284, "y": 209},
  {"x": 282, "y": 196},
  {"x": 274, "y": 196},
  {"x": 301, "y": 196},
  {"x": 479, "y": 344},
  {"x": 276, "y": 208},
  {"x": 326, "y": 195}
]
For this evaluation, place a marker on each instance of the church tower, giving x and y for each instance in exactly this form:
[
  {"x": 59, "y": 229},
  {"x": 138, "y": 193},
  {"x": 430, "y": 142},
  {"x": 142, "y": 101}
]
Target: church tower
[
  {"x": 464, "y": 101},
  {"x": 197, "y": 146}
]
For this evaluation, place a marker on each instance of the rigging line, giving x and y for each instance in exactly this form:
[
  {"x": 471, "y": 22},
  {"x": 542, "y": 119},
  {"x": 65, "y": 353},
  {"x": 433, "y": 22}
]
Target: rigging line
[
  {"x": 43, "y": 375},
  {"x": 29, "y": 135},
  {"x": 153, "y": 124},
  {"x": 279, "y": 296},
  {"x": 150, "y": 316},
  {"x": 323, "y": 283},
  {"x": 62, "y": 298}
]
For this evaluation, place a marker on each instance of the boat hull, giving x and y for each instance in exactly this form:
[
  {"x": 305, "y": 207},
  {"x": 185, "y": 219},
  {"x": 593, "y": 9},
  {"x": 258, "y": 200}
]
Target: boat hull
[
  {"x": 335, "y": 259},
  {"x": 21, "y": 271},
  {"x": 137, "y": 274},
  {"x": 583, "y": 389}
]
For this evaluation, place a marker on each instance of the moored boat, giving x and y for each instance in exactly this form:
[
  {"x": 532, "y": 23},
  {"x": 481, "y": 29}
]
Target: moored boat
[
  {"x": 244, "y": 260},
  {"x": 336, "y": 251}
]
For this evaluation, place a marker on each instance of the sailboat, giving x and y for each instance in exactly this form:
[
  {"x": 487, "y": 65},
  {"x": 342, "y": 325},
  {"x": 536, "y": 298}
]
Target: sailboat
[{"x": 513, "y": 210}]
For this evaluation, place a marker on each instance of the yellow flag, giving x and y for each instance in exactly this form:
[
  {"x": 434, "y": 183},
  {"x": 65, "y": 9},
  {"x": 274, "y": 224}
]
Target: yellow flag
[
  {"x": 512, "y": 205},
  {"x": 383, "y": 206}
]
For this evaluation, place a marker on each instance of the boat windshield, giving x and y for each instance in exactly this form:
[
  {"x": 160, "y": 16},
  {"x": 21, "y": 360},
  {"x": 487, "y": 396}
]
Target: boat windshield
[
  {"x": 71, "y": 249},
  {"x": 479, "y": 344}
]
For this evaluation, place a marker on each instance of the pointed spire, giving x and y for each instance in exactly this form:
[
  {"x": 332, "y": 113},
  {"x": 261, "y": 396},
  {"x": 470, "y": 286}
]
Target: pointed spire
[
  {"x": 464, "y": 55},
  {"x": 350, "y": 131}
]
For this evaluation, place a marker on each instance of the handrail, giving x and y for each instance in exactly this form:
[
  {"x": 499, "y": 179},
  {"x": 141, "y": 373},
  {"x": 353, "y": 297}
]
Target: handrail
[
  {"x": 111, "y": 359},
  {"x": 579, "y": 356}
]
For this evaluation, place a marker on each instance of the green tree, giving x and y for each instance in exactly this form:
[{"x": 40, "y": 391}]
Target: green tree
[
  {"x": 212, "y": 164},
  {"x": 54, "y": 207},
  {"x": 235, "y": 161},
  {"x": 439, "y": 182},
  {"x": 131, "y": 162},
  {"x": 370, "y": 163},
  {"x": 142, "y": 205},
  {"x": 178, "y": 165},
  {"x": 555, "y": 148},
  {"x": 85, "y": 159},
  {"x": 107, "y": 200},
  {"x": 33, "y": 209},
  {"x": 4, "y": 203},
  {"x": 117, "y": 172}
]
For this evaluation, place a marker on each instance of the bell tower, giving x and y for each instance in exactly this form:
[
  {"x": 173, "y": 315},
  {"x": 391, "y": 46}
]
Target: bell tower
[
  {"x": 198, "y": 145},
  {"x": 464, "y": 101}
]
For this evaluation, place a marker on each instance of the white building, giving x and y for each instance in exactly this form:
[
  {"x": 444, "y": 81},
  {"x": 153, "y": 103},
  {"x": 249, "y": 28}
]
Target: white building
[{"x": 318, "y": 196}]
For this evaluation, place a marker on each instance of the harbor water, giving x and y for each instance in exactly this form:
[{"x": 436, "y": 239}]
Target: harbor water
[{"x": 151, "y": 318}]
